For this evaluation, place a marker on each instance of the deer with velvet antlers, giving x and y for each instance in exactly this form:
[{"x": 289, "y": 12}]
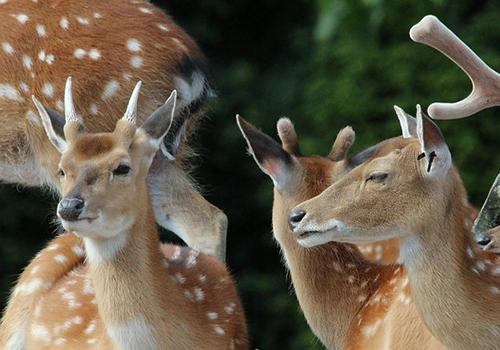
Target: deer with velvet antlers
[
  {"x": 132, "y": 292},
  {"x": 344, "y": 297},
  {"x": 105, "y": 46},
  {"x": 409, "y": 189}
]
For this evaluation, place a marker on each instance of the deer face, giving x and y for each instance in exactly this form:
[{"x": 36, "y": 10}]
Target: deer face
[
  {"x": 390, "y": 195},
  {"x": 103, "y": 175}
]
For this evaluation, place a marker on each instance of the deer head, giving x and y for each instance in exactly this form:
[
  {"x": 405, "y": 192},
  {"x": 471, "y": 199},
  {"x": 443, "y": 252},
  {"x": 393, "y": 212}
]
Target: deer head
[
  {"x": 376, "y": 199},
  {"x": 102, "y": 174}
]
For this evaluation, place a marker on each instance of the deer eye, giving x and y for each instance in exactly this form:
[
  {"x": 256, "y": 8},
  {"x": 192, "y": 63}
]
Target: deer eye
[
  {"x": 122, "y": 170},
  {"x": 377, "y": 176},
  {"x": 60, "y": 173}
]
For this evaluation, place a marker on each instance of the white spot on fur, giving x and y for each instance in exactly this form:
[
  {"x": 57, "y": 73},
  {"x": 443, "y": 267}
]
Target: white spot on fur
[
  {"x": 40, "y": 332},
  {"x": 179, "y": 277},
  {"x": 78, "y": 250},
  {"x": 191, "y": 260},
  {"x": 145, "y": 10},
  {"x": 198, "y": 293},
  {"x": 64, "y": 23},
  {"x": 163, "y": 27},
  {"x": 219, "y": 330},
  {"x": 179, "y": 44},
  {"x": 33, "y": 117},
  {"x": 212, "y": 315},
  {"x": 361, "y": 298},
  {"x": 495, "y": 271},
  {"x": 79, "y": 53},
  {"x": 229, "y": 309},
  {"x": 82, "y": 20},
  {"x": 60, "y": 105},
  {"x": 24, "y": 87},
  {"x": 126, "y": 76},
  {"x": 90, "y": 328},
  {"x": 202, "y": 278},
  {"x": 59, "y": 341},
  {"x": 94, "y": 54},
  {"x": 133, "y": 45},
  {"x": 48, "y": 90},
  {"x": 93, "y": 109},
  {"x": 92, "y": 341},
  {"x": 177, "y": 254},
  {"x": 494, "y": 290},
  {"x": 133, "y": 334},
  {"x": 27, "y": 288},
  {"x": 110, "y": 89},
  {"x": 371, "y": 329},
  {"x": 40, "y": 29},
  {"x": 21, "y": 18},
  {"x": 61, "y": 259},
  {"x": 136, "y": 61},
  {"x": 9, "y": 92},
  {"x": 27, "y": 62},
  {"x": 97, "y": 15},
  {"x": 470, "y": 253},
  {"x": 7, "y": 48}
]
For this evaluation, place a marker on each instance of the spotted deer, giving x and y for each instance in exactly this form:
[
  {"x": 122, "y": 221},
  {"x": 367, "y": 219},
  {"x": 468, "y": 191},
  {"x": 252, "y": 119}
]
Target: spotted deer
[
  {"x": 131, "y": 292},
  {"x": 485, "y": 93},
  {"x": 105, "y": 46},
  {"x": 348, "y": 302},
  {"x": 409, "y": 189}
]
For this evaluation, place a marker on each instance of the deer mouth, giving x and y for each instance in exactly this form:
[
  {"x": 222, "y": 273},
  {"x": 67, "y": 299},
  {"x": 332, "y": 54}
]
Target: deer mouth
[{"x": 307, "y": 234}]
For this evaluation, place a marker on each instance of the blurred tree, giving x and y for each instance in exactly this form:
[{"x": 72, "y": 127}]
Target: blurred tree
[{"x": 325, "y": 64}]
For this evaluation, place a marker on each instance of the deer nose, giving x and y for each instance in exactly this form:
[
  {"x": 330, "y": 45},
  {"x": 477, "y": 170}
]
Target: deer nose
[
  {"x": 483, "y": 240},
  {"x": 69, "y": 209},
  {"x": 295, "y": 217}
]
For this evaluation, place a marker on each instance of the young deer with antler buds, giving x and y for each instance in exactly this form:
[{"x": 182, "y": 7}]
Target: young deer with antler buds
[
  {"x": 409, "y": 189},
  {"x": 348, "y": 302},
  {"x": 130, "y": 294},
  {"x": 485, "y": 93},
  {"x": 105, "y": 46}
]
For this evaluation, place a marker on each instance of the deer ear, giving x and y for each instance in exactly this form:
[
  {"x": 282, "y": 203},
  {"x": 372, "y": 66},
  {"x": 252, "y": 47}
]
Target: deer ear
[
  {"x": 158, "y": 124},
  {"x": 271, "y": 158},
  {"x": 53, "y": 124},
  {"x": 173, "y": 139},
  {"x": 435, "y": 151},
  {"x": 407, "y": 122}
]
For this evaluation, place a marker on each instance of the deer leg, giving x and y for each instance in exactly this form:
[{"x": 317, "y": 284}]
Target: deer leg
[{"x": 180, "y": 208}]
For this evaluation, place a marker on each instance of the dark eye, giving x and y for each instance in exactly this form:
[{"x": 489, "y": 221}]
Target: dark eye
[
  {"x": 377, "y": 176},
  {"x": 60, "y": 173},
  {"x": 122, "y": 170}
]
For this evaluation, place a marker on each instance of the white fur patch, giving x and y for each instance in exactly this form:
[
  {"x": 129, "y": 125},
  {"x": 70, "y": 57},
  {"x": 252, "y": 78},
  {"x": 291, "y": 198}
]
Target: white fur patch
[
  {"x": 133, "y": 45},
  {"x": 136, "y": 61},
  {"x": 34, "y": 285},
  {"x": 40, "y": 29},
  {"x": 27, "y": 62},
  {"x": 9, "y": 92},
  {"x": 94, "y": 54},
  {"x": 110, "y": 89},
  {"x": 64, "y": 23},
  {"x": 135, "y": 334},
  {"x": 17, "y": 341},
  {"x": 40, "y": 332},
  {"x": 7, "y": 48},
  {"x": 48, "y": 90},
  {"x": 22, "y": 18},
  {"x": 79, "y": 53},
  {"x": 99, "y": 251}
]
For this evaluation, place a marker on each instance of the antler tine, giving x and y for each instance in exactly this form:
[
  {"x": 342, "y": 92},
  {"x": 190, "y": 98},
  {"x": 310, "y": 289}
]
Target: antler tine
[
  {"x": 131, "y": 112},
  {"x": 69, "y": 107},
  {"x": 485, "y": 81}
]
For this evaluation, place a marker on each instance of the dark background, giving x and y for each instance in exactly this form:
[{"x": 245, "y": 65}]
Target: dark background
[{"x": 325, "y": 64}]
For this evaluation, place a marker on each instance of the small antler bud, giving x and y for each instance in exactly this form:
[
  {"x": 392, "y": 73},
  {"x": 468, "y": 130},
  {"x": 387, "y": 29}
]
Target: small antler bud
[
  {"x": 288, "y": 136},
  {"x": 131, "y": 112}
]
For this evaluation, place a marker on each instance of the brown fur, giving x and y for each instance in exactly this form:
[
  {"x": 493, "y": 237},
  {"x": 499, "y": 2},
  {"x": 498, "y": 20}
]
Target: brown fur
[
  {"x": 456, "y": 288},
  {"x": 27, "y": 157}
]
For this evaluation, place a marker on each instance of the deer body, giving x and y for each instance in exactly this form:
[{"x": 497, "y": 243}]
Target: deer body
[
  {"x": 456, "y": 288},
  {"x": 348, "y": 302},
  {"x": 106, "y": 46}
]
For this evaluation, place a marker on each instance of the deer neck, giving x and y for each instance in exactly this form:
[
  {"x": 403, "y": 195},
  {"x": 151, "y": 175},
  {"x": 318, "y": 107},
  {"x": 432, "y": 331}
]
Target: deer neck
[
  {"x": 331, "y": 282},
  {"x": 453, "y": 286},
  {"x": 130, "y": 286}
]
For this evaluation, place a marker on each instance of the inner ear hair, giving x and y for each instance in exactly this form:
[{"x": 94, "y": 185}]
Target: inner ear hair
[
  {"x": 288, "y": 136},
  {"x": 343, "y": 142}
]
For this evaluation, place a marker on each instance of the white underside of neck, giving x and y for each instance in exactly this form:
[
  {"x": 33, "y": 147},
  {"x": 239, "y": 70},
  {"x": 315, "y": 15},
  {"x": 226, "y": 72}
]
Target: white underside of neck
[
  {"x": 410, "y": 249},
  {"x": 134, "y": 334},
  {"x": 103, "y": 250}
]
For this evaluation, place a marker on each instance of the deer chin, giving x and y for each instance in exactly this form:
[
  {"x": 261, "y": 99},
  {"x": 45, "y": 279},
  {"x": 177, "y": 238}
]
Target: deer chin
[{"x": 311, "y": 235}]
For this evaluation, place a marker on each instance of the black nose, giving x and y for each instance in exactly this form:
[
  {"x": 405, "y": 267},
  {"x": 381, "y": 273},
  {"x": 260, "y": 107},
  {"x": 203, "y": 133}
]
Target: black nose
[
  {"x": 295, "y": 217},
  {"x": 69, "y": 209}
]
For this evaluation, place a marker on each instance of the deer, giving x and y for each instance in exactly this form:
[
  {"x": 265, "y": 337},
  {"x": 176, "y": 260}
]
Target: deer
[
  {"x": 348, "y": 301},
  {"x": 131, "y": 292},
  {"x": 105, "y": 47},
  {"x": 485, "y": 94},
  {"x": 456, "y": 286}
]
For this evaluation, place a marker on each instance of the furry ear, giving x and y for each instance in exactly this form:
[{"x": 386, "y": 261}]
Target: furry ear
[
  {"x": 271, "y": 158},
  {"x": 158, "y": 124},
  {"x": 407, "y": 122},
  {"x": 173, "y": 139},
  {"x": 435, "y": 151},
  {"x": 343, "y": 142},
  {"x": 53, "y": 124}
]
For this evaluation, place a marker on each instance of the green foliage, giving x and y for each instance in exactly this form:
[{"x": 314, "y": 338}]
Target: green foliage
[{"x": 325, "y": 64}]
